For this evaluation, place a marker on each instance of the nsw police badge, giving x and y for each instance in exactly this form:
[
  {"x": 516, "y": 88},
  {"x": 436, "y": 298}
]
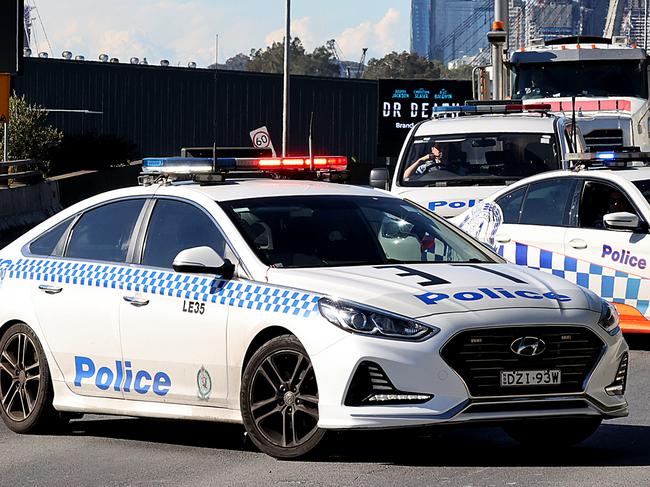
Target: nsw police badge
[{"x": 204, "y": 384}]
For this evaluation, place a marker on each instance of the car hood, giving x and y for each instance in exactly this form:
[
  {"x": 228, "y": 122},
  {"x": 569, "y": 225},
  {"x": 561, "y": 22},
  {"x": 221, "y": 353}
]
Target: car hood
[{"x": 418, "y": 290}]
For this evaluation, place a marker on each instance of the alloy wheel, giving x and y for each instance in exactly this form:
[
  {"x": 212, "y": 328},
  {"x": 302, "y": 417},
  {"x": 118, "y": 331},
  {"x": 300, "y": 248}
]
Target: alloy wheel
[{"x": 20, "y": 377}]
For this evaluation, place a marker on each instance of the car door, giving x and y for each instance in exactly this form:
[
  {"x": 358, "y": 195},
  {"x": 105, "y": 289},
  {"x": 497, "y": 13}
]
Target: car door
[
  {"x": 535, "y": 219},
  {"x": 615, "y": 264},
  {"x": 76, "y": 294},
  {"x": 173, "y": 333}
]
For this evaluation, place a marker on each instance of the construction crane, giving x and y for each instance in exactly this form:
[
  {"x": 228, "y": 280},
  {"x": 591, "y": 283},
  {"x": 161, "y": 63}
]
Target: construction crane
[
  {"x": 362, "y": 62},
  {"x": 614, "y": 18}
]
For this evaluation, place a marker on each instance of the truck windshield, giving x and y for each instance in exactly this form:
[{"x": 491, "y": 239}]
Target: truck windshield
[
  {"x": 590, "y": 79},
  {"x": 488, "y": 159}
]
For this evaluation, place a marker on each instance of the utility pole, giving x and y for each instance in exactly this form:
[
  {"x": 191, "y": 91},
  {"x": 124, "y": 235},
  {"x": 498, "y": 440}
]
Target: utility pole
[
  {"x": 287, "y": 68},
  {"x": 497, "y": 37},
  {"x": 645, "y": 27}
]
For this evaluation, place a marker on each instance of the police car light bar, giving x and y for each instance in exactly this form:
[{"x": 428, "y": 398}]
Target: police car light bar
[
  {"x": 494, "y": 108},
  {"x": 189, "y": 166},
  {"x": 610, "y": 159}
]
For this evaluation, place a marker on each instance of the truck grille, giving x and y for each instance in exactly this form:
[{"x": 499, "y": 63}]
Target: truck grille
[
  {"x": 604, "y": 139},
  {"x": 479, "y": 356}
]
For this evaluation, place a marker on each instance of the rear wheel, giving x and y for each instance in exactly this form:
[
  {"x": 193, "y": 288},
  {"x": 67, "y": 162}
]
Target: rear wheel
[
  {"x": 552, "y": 432},
  {"x": 25, "y": 385},
  {"x": 279, "y": 399}
]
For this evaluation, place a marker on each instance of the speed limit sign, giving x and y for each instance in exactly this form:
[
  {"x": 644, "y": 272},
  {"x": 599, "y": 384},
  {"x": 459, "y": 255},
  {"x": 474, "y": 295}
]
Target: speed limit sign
[{"x": 261, "y": 139}]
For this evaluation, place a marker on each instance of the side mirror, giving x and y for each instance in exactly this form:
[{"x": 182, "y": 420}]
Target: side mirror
[
  {"x": 379, "y": 178},
  {"x": 203, "y": 260},
  {"x": 621, "y": 220}
]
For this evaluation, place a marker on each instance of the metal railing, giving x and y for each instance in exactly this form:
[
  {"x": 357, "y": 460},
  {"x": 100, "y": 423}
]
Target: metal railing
[{"x": 25, "y": 171}]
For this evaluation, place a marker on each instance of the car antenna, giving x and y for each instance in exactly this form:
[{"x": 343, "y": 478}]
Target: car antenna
[
  {"x": 311, "y": 149},
  {"x": 573, "y": 123}
]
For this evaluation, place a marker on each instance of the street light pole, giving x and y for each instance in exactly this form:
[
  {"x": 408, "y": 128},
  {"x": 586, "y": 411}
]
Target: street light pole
[{"x": 287, "y": 68}]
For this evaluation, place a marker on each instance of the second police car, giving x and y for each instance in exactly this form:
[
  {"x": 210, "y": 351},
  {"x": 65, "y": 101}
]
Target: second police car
[
  {"x": 296, "y": 308},
  {"x": 588, "y": 225}
]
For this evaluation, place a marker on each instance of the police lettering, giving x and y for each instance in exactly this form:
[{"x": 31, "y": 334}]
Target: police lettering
[
  {"x": 193, "y": 307},
  {"x": 122, "y": 378},
  {"x": 623, "y": 257},
  {"x": 452, "y": 204},
  {"x": 491, "y": 293}
]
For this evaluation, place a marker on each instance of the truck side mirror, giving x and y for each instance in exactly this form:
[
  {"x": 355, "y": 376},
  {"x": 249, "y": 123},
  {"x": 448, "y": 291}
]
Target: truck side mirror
[{"x": 379, "y": 178}]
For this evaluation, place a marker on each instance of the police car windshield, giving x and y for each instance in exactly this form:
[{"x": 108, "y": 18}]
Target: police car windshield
[
  {"x": 644, "y": 187},
  {"x": 478, "y": 158},
  {"x": 330, "y": 231}
]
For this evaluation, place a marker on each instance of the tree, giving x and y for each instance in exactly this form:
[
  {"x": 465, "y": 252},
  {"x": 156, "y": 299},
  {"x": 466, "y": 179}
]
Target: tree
[
  {"x": 238, "y": 62},
  {"x": 271, "y": 60},
  {"x": 461, "y": 72},
  {"x": 30, "y": 137},
  {"x": 403, "y": 65}
]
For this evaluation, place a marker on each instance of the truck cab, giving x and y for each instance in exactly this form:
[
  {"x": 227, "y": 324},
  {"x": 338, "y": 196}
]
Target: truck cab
[
  {"x": 604, "y": 81},
  {"x": 450, "y": 164}
]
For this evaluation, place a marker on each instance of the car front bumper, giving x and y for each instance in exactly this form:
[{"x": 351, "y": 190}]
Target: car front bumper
[{"x": 419, "y": 368}]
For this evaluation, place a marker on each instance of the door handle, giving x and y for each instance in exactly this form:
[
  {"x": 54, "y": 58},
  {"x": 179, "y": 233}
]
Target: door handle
[
  {"x": 137, "y": 302},
  {"x": 502, "y": 238},
  {"x": 50, "y": 289},
  {"x": 578, "y": 243}
]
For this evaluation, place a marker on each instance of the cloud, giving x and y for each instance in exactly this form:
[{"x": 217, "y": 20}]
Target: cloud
[
  {"x": 300, "y": 28},
  {"x": 380, "y": 37}
]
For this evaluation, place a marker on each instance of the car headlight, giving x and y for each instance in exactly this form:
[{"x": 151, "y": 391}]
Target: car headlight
[
  {"x": 609, "y": 318},
  {"x": 368, "y": 321}
]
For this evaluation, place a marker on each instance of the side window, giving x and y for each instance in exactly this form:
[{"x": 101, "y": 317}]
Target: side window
[
  {"x": 599, "y": 199},
  {"x": 105, "y": 233},
  {"x": 547, "y": 203},
  {"x": 177, "y": 226},
  {"x": 47, "y": 243},
  {"x": 510, "y": 205}
]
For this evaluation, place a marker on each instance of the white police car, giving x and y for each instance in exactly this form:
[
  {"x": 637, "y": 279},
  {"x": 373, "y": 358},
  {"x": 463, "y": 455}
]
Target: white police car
[
  {"x": 450, "y": 164},
  {"x": 588, "y": 225},
  {"x": 295, "y": 307}
]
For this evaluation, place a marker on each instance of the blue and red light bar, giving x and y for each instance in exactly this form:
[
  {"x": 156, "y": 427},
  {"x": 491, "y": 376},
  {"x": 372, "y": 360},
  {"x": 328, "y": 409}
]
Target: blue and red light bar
[
  {"x": 611, "y": 159},
  {"x": 208, "y": 165},
  {"x": 496, "y": 108}
]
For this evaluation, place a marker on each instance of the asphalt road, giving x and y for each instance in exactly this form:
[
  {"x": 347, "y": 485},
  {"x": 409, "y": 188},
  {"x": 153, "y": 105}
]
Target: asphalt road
[{"x": 109, "y": 451}]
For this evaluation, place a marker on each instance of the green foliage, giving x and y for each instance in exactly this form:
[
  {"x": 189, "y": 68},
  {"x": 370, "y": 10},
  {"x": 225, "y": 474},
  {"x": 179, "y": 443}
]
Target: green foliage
[
  {"x": 30, "y": 137},
  {"x": 271, "y": 60},
  {"x": 406, "y": 65}
]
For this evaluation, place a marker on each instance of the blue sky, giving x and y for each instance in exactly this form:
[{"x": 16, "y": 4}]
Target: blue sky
[{"x": 184, "y": 30}]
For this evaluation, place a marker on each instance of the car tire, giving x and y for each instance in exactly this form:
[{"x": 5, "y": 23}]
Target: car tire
[
  {"x": 25, "y": 384},
  {"x": 552, "y": 432},
  {"x": 279, "y": 399}
]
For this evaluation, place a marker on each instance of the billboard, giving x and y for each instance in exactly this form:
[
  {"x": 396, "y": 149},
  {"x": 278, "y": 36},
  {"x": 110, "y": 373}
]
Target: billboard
[{"x": 403, "y": 103}]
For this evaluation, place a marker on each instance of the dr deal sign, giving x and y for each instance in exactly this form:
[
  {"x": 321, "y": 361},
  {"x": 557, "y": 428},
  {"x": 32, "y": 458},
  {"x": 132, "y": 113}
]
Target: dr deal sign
[{"x": 403, "y": 103}]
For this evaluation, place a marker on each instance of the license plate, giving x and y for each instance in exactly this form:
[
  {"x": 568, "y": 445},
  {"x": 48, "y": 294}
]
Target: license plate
[{"x": 530, "y": 378}]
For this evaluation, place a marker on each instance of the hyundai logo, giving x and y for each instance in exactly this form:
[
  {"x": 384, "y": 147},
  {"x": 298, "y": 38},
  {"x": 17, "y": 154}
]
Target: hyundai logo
[{"x": 528, "y": 346}]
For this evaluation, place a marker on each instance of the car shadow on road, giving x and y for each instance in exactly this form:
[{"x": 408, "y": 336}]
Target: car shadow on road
[{"x": 612, "y": 445}]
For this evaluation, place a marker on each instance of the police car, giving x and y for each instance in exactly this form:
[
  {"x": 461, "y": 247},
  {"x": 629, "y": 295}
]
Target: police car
[
  {"x": 588, "y": 225},
  {"x": 450, "y": 164},
  {"x": 295, "y": 308}
]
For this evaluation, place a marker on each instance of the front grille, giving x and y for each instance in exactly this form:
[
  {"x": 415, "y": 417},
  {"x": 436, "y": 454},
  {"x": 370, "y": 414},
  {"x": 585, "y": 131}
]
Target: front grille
[
  {"x": 479, "y": 356},
  {"x": 604, "y": 139}
]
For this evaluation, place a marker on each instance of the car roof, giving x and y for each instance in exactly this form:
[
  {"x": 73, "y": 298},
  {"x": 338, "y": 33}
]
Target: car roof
[
  {"x": 235, "y": 189},
  {"x": 519, "y": 123}
]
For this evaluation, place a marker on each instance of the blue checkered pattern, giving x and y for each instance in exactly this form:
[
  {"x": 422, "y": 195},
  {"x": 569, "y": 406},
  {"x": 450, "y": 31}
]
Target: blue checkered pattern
[
  {"x": 239, "y": 294},
  {"x": 611, "y": 284}
]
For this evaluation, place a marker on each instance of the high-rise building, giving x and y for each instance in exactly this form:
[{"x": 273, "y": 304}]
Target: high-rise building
[
  {"x": 420, "y": 26},
  {"x": 459, "y": 27}
]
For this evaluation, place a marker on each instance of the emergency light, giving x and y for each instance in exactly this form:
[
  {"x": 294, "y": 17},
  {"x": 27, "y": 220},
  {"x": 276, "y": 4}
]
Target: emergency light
[
  {"x": 609, "y": 159},
  {"x": 475, "y": 108},
  {"x": 208, "y": 169}
]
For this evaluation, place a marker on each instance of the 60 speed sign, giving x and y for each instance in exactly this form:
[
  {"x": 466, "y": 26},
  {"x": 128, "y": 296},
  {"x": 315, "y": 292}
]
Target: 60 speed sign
[{"x": 262, "y": 139}]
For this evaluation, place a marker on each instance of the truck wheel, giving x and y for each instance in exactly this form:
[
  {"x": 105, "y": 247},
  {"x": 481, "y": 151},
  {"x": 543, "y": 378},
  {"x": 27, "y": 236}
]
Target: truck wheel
[
  {"x": 552, "y": 432},
  {"x": 25, "y": 385},
  {"x": 279, "y": 399}
]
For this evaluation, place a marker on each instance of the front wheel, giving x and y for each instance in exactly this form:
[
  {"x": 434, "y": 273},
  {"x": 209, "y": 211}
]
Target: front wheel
[
  {"x": 279, "y": 399},
  {"x": 552, "y": 432},
  {"x": 25, "y": 385}
]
